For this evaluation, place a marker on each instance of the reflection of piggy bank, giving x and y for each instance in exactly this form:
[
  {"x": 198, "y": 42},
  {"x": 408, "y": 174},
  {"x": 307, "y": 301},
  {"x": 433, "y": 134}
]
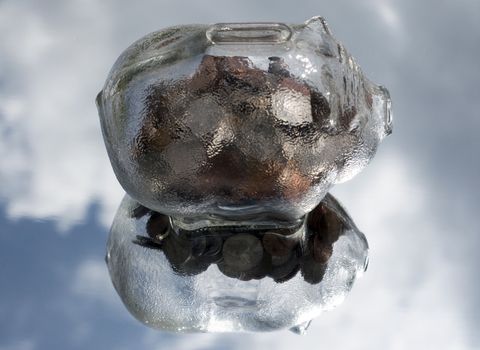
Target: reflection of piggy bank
[
  {"x": 256, "y": 119},
  {"x": 220, "y": 281}
]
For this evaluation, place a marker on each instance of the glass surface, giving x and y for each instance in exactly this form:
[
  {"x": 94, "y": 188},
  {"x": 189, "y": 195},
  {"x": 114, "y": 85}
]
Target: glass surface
[{"x": 417, "y": 201}]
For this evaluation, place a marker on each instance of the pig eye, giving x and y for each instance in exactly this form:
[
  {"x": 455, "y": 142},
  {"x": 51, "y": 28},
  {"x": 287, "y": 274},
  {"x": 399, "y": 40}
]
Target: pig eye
[{"x": 227, "y": 139}]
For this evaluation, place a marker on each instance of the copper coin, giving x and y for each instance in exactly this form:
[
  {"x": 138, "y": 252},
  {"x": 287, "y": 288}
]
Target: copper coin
[
  {"x": 277, "y": 245},
  {"x": 242, "y": 251}
]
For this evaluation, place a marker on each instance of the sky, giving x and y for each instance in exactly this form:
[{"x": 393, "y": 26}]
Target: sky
[{"x": 417, "y": 202}]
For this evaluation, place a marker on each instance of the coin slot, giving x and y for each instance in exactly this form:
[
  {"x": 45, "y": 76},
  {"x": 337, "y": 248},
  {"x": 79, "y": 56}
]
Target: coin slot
[{"x": 249, "y": 33}]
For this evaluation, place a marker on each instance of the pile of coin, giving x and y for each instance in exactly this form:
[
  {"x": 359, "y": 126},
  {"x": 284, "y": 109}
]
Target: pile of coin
[
  {"x": 227, "y": 126},
  {"x": 245, "y": 253}
]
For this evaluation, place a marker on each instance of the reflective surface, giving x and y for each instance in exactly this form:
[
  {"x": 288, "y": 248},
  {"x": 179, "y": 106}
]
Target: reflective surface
[
  {"x": 224, "y": 279},
  {"x": 417, "y": 201}
]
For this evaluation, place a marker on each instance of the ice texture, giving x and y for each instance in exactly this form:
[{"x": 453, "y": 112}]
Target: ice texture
[
  {"x": 239, "y": 118},
  {"x": 233, "y": 278}
]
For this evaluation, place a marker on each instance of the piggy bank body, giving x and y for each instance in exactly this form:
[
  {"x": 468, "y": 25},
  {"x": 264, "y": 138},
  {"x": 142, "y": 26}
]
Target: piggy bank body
[{"x": 234, "y": 121}]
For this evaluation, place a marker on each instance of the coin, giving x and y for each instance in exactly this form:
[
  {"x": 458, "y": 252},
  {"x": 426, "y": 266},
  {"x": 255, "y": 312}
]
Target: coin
[
  {"x": 242, "y": 251},
  {"x": 157, "y": 226},
  {"x": 277, "y": 245}
]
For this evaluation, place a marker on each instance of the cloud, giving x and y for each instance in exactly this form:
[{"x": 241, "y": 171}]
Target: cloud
[
  {"x": 53, "y": 159},
  {"x": 416, "y": 202}
]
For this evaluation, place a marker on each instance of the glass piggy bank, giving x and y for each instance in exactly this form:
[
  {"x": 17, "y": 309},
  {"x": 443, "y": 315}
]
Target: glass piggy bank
[
  {"x": 239, "y": 119},
  {"x": 227, "y": 138}
]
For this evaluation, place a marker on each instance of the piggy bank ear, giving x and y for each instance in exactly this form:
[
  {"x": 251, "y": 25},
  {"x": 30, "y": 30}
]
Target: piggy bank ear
[
  {"x": 316, "y": 34},
  {"x": 318, "y": 24}
]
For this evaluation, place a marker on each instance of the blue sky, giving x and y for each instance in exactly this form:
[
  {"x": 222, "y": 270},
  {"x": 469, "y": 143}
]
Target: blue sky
[{"x": 417, "y": 202}]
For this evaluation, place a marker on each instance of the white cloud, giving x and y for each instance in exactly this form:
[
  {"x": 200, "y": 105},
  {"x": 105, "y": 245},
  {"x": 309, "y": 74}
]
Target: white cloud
[
  {"x": 53, "y": 164},
  {"x": 53, "y": 159}
]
